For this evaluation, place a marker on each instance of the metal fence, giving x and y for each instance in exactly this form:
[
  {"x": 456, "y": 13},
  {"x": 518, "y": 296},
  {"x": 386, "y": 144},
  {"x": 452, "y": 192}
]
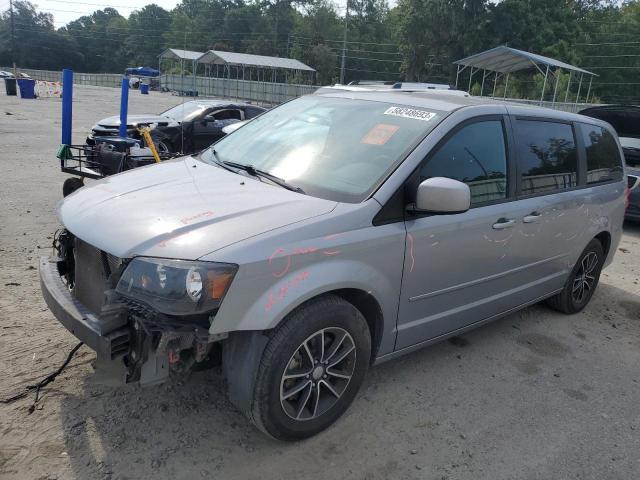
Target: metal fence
[
  {"x": 97, "y": 79},
  {"x": 564, "y": 106},
  {"x": 266, "y": 93},
  {"x": 259, "y": 92}
]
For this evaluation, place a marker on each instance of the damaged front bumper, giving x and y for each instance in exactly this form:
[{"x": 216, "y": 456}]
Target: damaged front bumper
[
  {"x": 124, "y": 343},
  {"x": 109, "y": 334}
]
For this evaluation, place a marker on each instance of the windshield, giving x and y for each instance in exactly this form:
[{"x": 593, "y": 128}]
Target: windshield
[
  {"x": 184, "y": 112},
  {"x": 333, "y": 148}
]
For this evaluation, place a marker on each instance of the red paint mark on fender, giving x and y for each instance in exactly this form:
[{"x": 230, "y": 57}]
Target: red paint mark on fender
[
  {"x": 304, "y": 251},
  {"x": 281, "y": 253},
  {"x": 333, "y": 235},
  {"x": 284, "y": 289},
  {"x": 188, "y": 220},
  {"x": 287, "y": 266},
  {"x": 413, "y": 260}
]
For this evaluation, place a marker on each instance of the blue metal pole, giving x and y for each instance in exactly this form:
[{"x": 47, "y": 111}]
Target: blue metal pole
[
  {"x": 124, "y": 105},
  {"x": 67, "y": 105}
]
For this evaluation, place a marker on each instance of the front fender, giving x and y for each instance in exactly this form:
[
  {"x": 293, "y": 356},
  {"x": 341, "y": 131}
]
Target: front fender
[{"x": 264, "y": 293}]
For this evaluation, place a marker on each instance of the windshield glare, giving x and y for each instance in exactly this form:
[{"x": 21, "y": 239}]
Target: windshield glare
[
  {"x": 333, "y": 148},
  {"x": 184, "y": 112}
]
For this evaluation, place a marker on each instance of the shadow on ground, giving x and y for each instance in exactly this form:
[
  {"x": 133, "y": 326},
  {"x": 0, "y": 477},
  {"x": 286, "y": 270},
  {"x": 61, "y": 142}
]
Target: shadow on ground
[{"x": 439, "y": 409}]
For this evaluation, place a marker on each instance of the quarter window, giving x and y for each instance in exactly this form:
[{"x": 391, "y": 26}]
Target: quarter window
[
  {"x": 603, "y": 157},
  {"x": 546, "y": 156},
  {"x": 475, "y": 155}
]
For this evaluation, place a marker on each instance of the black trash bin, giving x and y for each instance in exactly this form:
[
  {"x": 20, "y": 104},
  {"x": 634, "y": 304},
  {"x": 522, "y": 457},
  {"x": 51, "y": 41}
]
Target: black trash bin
[{"x": 10, "y": 86}]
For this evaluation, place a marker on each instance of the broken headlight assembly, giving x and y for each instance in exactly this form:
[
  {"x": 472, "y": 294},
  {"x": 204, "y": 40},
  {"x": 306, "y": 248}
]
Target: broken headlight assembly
[{"x": 176, "y": 287}]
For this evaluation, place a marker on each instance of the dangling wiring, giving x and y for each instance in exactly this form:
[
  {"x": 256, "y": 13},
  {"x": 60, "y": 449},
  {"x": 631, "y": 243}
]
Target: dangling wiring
[{"x": 42, "y": 383}]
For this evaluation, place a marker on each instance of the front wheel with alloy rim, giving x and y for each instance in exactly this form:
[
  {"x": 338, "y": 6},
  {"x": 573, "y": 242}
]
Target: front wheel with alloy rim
[
  {"x": 311, "y": 369},
  {"x": 582, "y": 281}
]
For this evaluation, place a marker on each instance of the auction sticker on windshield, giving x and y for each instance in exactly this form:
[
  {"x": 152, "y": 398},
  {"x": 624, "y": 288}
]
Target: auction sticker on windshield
[
  {"x": 410, "y": 113},
  {"x": 380, "y": 134}
]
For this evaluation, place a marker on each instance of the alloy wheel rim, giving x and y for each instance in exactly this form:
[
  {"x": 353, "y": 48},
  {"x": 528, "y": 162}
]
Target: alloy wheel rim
[
  {"x": 585, "y": 278},
  {"x": 317, "y": 374}
]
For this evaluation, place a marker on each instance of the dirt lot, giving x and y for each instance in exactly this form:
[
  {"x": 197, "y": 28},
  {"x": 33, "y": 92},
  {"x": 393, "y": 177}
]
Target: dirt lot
[{"x": 536, "y": 395}]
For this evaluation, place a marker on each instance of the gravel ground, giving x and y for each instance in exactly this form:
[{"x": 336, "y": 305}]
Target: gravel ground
[{"x": 536, "y": 395}]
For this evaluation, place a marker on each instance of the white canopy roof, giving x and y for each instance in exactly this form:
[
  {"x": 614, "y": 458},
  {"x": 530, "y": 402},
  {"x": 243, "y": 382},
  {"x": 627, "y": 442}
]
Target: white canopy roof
[
  {"x": 505, "y": 59},
  {"x": 179, "y": 54},
  {"x": 218, "y": 57}
]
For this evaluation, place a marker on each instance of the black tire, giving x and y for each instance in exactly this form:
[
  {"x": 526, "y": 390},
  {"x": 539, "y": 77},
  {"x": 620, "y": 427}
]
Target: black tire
[
  {"x": 330, "y": 315},
  {"x": 569, "y": 301},
  {"x": 70, "y": 185}
]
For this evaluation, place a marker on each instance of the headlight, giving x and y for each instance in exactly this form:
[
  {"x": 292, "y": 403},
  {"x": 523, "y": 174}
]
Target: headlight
[{"x": 176, "y": 287}]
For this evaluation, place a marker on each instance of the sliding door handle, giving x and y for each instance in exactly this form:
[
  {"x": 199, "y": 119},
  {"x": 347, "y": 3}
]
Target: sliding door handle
[
  {"x": 531, "y": 218},
  {"x": 503, "y": 223}
]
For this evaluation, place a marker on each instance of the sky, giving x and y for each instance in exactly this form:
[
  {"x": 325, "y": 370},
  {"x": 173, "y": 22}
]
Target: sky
[{"x": 65, "y": 11}]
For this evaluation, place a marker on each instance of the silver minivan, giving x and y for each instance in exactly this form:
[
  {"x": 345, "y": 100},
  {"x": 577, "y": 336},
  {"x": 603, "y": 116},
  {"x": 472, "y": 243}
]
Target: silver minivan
[{"x": 334, "y": 232}]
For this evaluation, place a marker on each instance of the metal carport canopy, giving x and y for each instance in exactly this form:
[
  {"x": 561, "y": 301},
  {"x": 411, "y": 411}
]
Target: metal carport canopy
[
  {"x": 217, "y": 57},
  {"x": 505, "y": 59},
  {"x": 179, "y": 54}
]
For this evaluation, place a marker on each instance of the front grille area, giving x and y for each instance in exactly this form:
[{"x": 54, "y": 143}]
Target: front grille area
[{"x": 95, "y": 273}]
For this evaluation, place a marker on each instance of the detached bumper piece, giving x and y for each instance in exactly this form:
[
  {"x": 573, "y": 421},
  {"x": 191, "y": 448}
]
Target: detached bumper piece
[{"x": 108, "y": 334}]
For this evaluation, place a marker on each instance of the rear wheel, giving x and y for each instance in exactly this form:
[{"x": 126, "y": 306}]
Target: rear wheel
[
  {"x": 311, "y": 369},
  {"x": 582, "y": 281}
]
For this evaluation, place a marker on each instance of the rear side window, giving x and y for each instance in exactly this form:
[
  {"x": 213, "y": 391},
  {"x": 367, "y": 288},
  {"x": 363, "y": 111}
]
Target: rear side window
[
  {"x": 603, "y": 156},
  {"x": 476, "y": 155},
  {"x": 547, "y": 158},
  {"x": 251, "y": 112}
]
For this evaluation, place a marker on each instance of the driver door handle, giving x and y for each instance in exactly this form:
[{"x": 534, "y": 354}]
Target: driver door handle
[
  {"x": 532, "y": 217},
  {"x": 503, "y": 223}
]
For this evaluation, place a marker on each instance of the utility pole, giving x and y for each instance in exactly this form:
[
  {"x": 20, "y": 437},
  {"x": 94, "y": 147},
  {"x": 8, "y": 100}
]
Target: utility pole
[
  {"x": 13, "y": 41},
  {"x": 275, "y": 35},
  {"x": 344, "y": 44}
]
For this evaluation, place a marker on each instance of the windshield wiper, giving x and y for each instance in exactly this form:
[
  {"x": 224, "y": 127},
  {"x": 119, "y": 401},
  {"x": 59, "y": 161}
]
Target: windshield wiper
[
  {"x": 251, "y": 170},
  {"x": 220, "y": 163}
]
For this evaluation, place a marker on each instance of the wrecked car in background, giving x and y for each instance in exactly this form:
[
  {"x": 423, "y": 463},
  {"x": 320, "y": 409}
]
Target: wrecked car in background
[
  {"x": 186, "y": 128},
  {"x": 625, "y": 119},
  {"x": 335, "y": 231}
]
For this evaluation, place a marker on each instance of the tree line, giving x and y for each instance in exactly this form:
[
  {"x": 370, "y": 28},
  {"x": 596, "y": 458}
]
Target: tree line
[{"x": 416, "y": 40}]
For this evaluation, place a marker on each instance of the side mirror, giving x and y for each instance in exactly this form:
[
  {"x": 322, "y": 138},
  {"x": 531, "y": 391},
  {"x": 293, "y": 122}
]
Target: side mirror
[{"x": 443, "y": 195}]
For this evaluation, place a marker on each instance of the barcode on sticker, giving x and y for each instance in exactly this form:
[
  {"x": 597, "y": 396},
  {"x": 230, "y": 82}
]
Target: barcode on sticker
[{"x": 410, "y": 113}]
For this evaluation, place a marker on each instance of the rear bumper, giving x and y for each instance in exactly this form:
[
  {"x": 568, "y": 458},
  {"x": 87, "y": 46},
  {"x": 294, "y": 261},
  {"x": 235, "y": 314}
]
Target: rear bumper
[{"x": 108, "y": 337}]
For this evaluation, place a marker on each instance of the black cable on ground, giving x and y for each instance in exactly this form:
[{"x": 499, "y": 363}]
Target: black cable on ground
[{"x": 42, "y": 383}]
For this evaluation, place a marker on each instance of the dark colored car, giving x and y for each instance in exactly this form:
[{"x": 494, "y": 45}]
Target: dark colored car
[
  {"x": 186, "y": 128},
  {"x": 625, "y": 119}
]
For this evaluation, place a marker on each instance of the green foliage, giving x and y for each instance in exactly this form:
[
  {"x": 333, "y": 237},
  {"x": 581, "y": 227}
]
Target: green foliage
[{"x": 417, "y": 40}]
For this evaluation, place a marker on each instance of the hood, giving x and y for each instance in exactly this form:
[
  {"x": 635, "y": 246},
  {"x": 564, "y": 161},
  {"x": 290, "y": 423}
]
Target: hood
[
  {"x": 182, "y": 209},
  {"x": 136, "y": 120}
]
